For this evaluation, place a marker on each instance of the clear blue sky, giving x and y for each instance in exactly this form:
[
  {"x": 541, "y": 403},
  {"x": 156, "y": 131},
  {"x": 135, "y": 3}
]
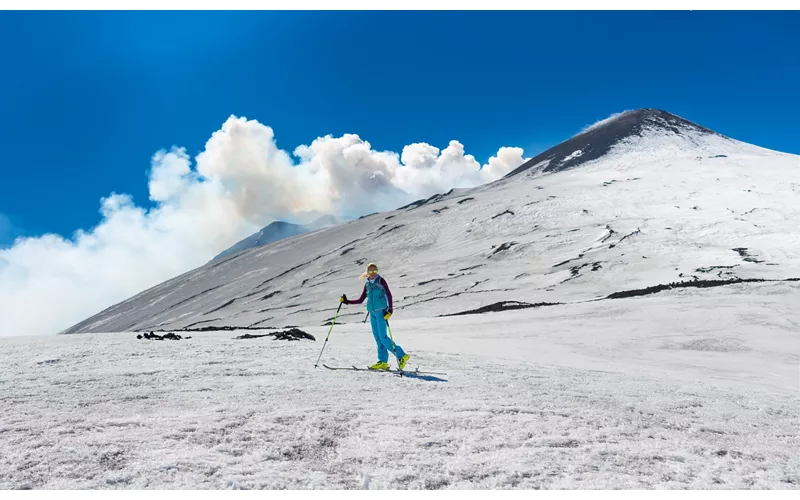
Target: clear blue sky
[{"x": 86, "y": 98}]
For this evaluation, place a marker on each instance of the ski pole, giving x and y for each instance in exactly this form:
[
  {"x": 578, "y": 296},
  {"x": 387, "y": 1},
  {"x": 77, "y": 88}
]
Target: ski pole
[
  {"x": 394, "y": 346},
  {"x": 329, "y": 334}
]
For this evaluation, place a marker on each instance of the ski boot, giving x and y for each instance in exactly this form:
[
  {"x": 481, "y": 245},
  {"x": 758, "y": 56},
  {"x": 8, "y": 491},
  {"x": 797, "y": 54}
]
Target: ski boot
[{"x": 401, "y": 363}]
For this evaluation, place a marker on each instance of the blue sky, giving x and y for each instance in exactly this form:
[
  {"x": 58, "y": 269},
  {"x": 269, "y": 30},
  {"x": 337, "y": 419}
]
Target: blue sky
[{"x": 88, "y": 97}]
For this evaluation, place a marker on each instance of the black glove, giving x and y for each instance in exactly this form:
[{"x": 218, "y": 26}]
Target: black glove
[{"x": 343, "y": 299}]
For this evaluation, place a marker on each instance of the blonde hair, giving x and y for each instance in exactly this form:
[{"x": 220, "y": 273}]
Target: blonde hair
[{"x": 365, "y": 274}]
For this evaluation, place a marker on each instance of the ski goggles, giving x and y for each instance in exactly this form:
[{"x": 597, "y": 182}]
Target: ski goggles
[{"x": 372, "y": 272}]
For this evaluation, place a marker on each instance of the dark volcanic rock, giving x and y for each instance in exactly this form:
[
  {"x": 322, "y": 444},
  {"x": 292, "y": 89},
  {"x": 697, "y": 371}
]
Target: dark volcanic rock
[
  {"x": 226, "y": 328},
  {"x": 745, "y": 254},
  {"x": 153, "y": 336},
  {"x": 290, "y": 335},
  {"x": 432, "y": 199},
  {"x": 507, "y": 305},
  {"x": 685, "y": 284},
  {"x": 507, "y": 212},
  {"x": 505, "y": 246},
  {"x": 390, "y": 230}
]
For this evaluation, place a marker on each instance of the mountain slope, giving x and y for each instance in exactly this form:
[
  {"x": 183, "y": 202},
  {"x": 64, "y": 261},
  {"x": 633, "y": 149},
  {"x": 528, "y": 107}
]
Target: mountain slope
[
  {"x": 666, "y": 201},
  {"x": 277, "y": 231},
  {"x": 597, "y": 140},
  {"x": 326, "y": 221}
]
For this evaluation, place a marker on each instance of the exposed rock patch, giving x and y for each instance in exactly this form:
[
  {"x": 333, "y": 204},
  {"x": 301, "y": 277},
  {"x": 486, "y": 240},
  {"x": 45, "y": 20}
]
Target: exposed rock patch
[
  {"x": 506, "y": 305},
  {"x": 290, "y": 335},
  {"x": 153, "y": 336}
]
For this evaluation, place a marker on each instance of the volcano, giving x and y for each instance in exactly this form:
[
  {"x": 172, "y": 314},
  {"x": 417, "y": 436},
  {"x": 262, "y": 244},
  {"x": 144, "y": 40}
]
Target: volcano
[{"x": 643, "y": 199}]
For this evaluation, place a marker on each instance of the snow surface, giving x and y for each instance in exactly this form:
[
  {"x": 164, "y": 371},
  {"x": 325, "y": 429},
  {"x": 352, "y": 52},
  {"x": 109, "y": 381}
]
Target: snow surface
[
  {"x": 575, "y": 154},
  {"x": 634, "y": 394},
  {"x": 681, "y": 388}
]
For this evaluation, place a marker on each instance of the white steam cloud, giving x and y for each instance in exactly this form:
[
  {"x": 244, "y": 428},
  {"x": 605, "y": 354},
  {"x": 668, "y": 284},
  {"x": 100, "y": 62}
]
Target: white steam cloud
[
  {"x": 603, "y": 121},
  {"x": 239, "y": 183}
]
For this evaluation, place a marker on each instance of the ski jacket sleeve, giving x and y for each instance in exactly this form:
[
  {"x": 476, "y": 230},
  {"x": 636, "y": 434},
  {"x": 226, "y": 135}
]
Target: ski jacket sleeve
[
  {"x": 360, "y": 299},
  {"x": 388, "y": 292}
]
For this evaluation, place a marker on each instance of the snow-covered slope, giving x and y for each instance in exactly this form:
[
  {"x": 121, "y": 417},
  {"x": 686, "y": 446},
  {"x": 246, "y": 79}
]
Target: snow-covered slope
[
  {"x": 327, "y": 221},
  {"x": 666, "y": 203},
  {"x": 273, "y": 232},
  {"x": 689, "y": 389},
  {"x": 277, "y": 231}
]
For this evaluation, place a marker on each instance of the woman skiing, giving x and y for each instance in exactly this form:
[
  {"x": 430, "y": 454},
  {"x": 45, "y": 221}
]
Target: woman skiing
[{"x": 379, "y": 305}]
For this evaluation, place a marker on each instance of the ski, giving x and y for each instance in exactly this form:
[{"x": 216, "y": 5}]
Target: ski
[{"x": 390, "y": 370}]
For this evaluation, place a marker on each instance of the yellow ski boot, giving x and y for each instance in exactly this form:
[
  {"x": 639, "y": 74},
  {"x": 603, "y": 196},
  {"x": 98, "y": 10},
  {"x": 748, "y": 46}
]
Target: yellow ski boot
[
  {"x": 401, "y": 363},
  {"x": 380, "y": 365}
]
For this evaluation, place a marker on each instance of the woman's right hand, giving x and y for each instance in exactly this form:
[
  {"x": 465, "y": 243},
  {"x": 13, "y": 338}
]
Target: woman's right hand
[{"x": 343, "y": 299}]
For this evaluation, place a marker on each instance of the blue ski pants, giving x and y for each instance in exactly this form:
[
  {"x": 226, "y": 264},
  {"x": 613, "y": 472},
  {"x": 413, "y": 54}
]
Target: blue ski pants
[{"x": 382, "y": 339}]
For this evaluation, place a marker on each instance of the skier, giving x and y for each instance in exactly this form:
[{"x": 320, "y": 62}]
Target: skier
[{"x": 379, "y": 305}]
